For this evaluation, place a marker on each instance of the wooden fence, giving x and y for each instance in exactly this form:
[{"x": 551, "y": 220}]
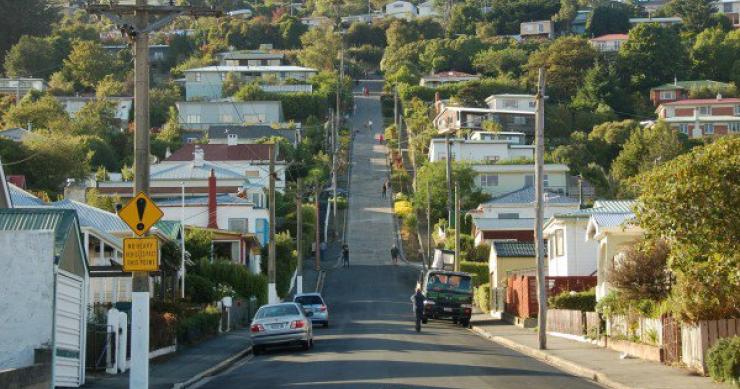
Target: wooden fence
[
  {"x": 641, "y": 329},
  {"x": 521, "y": 291},
  {"x": 697, "y": 338},
  {"x": 566, "y": 321}
]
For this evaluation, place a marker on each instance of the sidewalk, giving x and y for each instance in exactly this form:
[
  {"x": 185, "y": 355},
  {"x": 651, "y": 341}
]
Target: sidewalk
[
  {"x": 584, "y": 359},
  {"x": 206, "y": 357}
]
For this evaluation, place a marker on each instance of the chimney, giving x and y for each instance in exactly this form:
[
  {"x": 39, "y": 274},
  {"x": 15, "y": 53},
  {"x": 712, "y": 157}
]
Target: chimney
[
  {"x": 167, "y": 153},
  {"x": 198, "y": 156},
  {"x": 212, "y": 205},
  {"x": 719, "y": 96},
  {"x": 232, "y": 139}
]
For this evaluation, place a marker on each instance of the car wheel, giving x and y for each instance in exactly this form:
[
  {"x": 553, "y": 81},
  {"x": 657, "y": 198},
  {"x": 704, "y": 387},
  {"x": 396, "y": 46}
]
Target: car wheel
[
  {"x": 465, "y": 323},
  {"x": 326, "y": 325},
  {"x": 454, "y": 321},
  {"x": 424, "y": 320},
  {"x": 256, "y": 350},
  {"x": 306, "y": 345}
]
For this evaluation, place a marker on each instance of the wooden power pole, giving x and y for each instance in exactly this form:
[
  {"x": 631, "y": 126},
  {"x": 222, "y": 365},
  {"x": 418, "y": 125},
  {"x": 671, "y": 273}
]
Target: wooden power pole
[
  {"x": 457, "y": 226},
  {"x": 539, "y": 209},
  {"x": 450, "y": 206},
  {"x": 136, "y": 22},
  {"x": 318, "y": 228},
  {"x": 272, "y": 296}
]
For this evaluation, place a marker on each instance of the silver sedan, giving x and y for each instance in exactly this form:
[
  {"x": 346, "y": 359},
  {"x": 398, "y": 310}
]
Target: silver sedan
[
  {"x": 314, "y": 303},
  {"x": 281, "y": 324}
]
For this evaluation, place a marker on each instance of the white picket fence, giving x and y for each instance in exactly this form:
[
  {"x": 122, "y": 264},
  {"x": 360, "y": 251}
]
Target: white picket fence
[{"x": 647, "y": 330}]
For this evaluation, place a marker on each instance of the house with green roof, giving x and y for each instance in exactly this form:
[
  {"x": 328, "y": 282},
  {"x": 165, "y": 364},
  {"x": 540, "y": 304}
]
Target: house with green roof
[{"x": 680, "y": 90}]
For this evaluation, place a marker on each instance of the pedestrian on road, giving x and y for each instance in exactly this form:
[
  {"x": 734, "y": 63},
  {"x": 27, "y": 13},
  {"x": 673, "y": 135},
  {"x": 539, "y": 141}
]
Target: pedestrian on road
[
  {"x": 381, "y": 139},
  {"x": 383, "y": 193},
  {"x": 345, "y": 255},
  {"x": 418, "y": 300},
  {"x": 394, "y": 254}
]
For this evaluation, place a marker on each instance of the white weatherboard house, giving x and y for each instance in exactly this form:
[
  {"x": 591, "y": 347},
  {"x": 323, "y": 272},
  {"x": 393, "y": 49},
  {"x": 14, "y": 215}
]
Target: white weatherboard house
[
  {"x": 569, "y": 253},
  {"x": 206, "y": 83},
  {"x": 43, "y": 294},
  {"x": 200, "y": 115},
  {"x": 482, "y": 147},
  {"x": 427, "y": 9},
  {"x": 401, "y": 9}
]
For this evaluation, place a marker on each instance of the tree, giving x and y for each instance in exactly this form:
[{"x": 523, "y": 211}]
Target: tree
[
  {"x": 56, "y": 157},
  {"x": 41, "y": 111},
  {"x": 89, "y": 63},
  {"x": 232, "y": 83},
  {"x": 566, "y": 62},
  {"x": 291, "y": 30},
  {"x": 59, "y": 85},
  {"x": 693, "y": 202},
  {"x": 320, "y": 48},
  {"x": 435, "y": 174},
  {"x": 463, "y": 19},
  {"x": 360, "y": 34},
  {"x": 601, "y": 86},
  {"x": 160, "y": 101},
  {"x": 609, "y": 18},
  {"x": 509, "y": 62},
  {"x": 507, "y": 16},
  {"x": 714, "y": 53},
  {"x": 109, "y": 86},
  {"x": 645, "y": 149},
  {"x": 169, "y": 137},
  {"x": 652, "y": 55},
  {"x": 32, "y": 56},
  {"x": 19, "y": 18},
  {"x": 696, "y": 14},
  {"x": 643, "y": 271}
]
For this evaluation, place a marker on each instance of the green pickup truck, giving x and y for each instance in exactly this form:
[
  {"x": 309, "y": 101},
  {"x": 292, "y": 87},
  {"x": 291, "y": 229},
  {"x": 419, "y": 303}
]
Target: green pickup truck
[{"x": 449, "y": 295}]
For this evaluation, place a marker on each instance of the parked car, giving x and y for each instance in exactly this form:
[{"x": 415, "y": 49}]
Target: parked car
[
  {"x": 314, "y": 303},
  {"x": 281, "y": 324}
]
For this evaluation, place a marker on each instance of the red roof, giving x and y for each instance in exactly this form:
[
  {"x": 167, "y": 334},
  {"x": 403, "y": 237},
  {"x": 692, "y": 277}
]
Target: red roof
[
  {"x": 611, "y": 37},
  {"x": 730, "y": 100},
  {"x": 221, "y": 152}
]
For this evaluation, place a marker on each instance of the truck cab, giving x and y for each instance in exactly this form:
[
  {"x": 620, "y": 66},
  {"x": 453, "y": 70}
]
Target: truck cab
[{"x": 448, "y": 295}]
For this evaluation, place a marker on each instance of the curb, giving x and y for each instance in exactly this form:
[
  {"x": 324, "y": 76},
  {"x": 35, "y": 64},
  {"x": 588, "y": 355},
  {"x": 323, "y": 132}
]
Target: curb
[
  {"x": 223, "y": 365},
  {"x": 560, "y": 363}
]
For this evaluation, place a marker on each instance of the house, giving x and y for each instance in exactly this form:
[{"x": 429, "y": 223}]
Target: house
[
  {"x": 731, "y": 9},
  {"x": 537, "y": 29},
  {"x": 427, "y": 9},
  {"x": 200, "y": 115},
  {"x": 568, "y": 252},
  {"x": 19, "y": 87},
  {"x": 244, "y": 13},
  {"x": 515, "y": 103},
  {"x": 614, "y": 233},
  {"x": 578, "y": 25},
  {"x": 315, "y": 21},
  {"x": 401, "y": 9},
  {"x": 15, "y": 134},
  {"x": 450, "y": 119},
  {"x": 157, "y": 53},
  {"x": 482, "y": 147},
  {"x": 681, "y": 90},
  {"x": 698, "y": 118},
  {"x": 665, "y": 22},
  {"x": 609, "y": 43},
  {"x": 507, "y": 257},
  {"x": 122, "y": 106},
  {"x": 241, "y": 168},
  {"x": 43, "y": 295},
  {"x": 251, "y": 58},
  {"x": 511, "y": 216},
  {"x": 447, "y": 77},
  {"x": 206, "y": 83},
  {"x": 234, "y": 135}
]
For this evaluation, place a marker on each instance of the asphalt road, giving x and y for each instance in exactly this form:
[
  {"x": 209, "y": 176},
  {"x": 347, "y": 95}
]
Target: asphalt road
[{"x": 371, "y": 342}]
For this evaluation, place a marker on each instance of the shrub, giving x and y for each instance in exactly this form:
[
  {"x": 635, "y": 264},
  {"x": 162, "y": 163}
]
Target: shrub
[
  {"x": 200, "y": 289},
  {"x": 643, "y": 272},
  {"x": 477, "y": 269},
  {"x": 402, "y": 208},
  {"x": 199, "y": 326},
  {"x": 285, "y": 262},
  {"x": 410, "y": 221},
  {"x": 400, "y": 196},
  {"x": 237, "y": 276},
  {"x": 483, "y": 297},
  {"x": 723, "y": 360},
  {"x": 582, "y": 301},
  {"x": 341, "y": 202},
  {"x": 162, "y": 329}
]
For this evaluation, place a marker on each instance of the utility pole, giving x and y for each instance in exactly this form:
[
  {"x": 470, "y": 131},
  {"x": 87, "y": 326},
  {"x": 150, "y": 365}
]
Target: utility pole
[
  {"x": 272, "y": 296},
  {"x": 429, "y": 225},
  {"x": 539, "y": 210},
  {"x": 335, "y": 134},
  {"x": 136, "y": 22},
  {"x": 318, "y": 228},
  {"x": 395, "y": 107},
  {"x": 457, "y": 226},
  {"x": 182, "y": 241},
  {"x": 299, "y": 229},
  {"x": 449, "y": 180}
]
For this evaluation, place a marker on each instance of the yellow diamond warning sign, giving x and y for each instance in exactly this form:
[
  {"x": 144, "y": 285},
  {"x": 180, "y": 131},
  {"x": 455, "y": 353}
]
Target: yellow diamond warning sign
[
  {"x": 140, "y": 254},
  {"x": 140, "y": 214}
]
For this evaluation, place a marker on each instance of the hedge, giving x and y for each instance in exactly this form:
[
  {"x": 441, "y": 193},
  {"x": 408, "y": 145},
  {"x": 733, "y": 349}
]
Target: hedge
[
  {"x": 402, "y": 208},
  {"x": 479, "y": 270},
  {"x": 285, "y": 262},
  {"x": 723, "y": 361},
  {"x": 200, "y": 326},
  {"x": 583, "y": 301},
  {"x": 200, "y": 289},
  {"x": 483, "y": 297},
  {"x": 237, "y": 276}
]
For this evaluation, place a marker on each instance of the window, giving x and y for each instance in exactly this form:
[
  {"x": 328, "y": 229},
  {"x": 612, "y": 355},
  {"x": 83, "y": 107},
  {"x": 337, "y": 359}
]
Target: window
[
  {"x": 223, "y": 76},
  {"x": 520, "y": 120},
  {"x": 192, "y": 119},
  {"x": 727, "y": 8},
  {"x": 541, "y": 27},
  {"x": 532, "y": 104},
  {"x": 529, "y": 180},
  {"x": 489, "y": 180},
  {"x": 510, "y": 104},
  {"x": 709, "y": 128},
  {"x": 559, "y": 243},
  {"x": 684, "y": 128},
  {"x": 257, "y": 199},
  {"x": 192, "y": 140},
  {"x": 238, "y": 225},
  {"x": 512, "y": 215},
  {"x": 703, "y": 110},
  {"x": 737, "y": 110},
  {"x": 667, "y": 95},
  {"x": 733, "y": 126},
  {"x": 491, "y": 158},
  {"x": 546, "y": 181},
  {"x": 198, "y": 77}
]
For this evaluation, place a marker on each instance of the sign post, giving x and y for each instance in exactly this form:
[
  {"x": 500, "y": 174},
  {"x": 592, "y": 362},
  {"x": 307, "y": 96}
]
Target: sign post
[{"x": 140, "y": 256}]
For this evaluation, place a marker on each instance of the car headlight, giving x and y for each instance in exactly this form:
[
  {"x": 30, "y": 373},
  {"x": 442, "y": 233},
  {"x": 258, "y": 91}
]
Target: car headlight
[
  {"x": 466, "y": 305},
  {"x": 428, "y": 302}
]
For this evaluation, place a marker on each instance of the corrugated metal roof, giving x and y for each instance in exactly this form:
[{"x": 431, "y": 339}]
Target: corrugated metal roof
[
  {"x": 514, "y": 249},
  {"x": 21, "y": 198},
  {"x": 612, "y": 219},
  {"x": 526, "y": 195},
  {"x": 169, "y": 228},
  {"x": 601, "y": 207},
  {"x": 489, "y": 224},
  {"x": 187, "y": 170},
  {"x": 34, "y": 219},
  {"x": 222, "y": 199},
  {"x": 94, "y": 217}
]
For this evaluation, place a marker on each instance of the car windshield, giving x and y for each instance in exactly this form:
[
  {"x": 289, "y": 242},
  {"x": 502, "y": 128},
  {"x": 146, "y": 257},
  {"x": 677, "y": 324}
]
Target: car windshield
[
  {"x": 448, "y": 282},
  {"x": 309, "y": 300},
  {"x": 276, "y": 311}
]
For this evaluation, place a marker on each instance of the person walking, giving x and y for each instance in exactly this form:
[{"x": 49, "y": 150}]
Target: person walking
[
  {"x": 345, "y": 255},
  {"x": 418, "y": 300},
  {"x": 395, "y": 254},
  {"x": 384, "y": 191}
]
